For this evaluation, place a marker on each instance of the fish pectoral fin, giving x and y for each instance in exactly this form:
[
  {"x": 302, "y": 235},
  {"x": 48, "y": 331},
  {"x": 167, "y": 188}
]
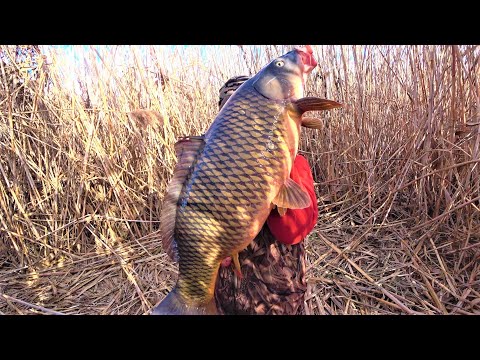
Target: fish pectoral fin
[
  {"x": 281, "y": 210},
  {"x": 314, "y": 103},
  {"x": 312, "y": 123},
  {"x": 237, "y": 268},
  {"x": 292, "y": 196}
]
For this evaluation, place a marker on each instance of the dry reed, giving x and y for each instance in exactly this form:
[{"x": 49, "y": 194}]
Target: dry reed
[{"x": 83, "y": 173}]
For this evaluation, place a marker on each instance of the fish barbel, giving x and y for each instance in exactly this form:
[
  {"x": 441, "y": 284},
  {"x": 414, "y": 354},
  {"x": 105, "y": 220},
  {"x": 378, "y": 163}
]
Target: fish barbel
[{"x": 226, "y": 182}]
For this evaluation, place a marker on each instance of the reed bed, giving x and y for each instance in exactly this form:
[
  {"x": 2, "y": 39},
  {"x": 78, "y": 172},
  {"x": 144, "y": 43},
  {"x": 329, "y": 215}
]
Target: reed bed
[{"x": 86, "y": 152}]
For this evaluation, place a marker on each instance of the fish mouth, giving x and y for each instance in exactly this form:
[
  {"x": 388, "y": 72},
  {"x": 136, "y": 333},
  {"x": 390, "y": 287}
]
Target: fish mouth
[{"x": 306, "y": 54}]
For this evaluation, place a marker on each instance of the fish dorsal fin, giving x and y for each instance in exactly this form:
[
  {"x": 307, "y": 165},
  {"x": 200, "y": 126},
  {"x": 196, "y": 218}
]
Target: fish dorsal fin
[
  {"x": 314, "y": 103},
  {"x": 292, "y": 196},
  {"x": 187, "y": 150},
  {"x": 312, "y": 123}
]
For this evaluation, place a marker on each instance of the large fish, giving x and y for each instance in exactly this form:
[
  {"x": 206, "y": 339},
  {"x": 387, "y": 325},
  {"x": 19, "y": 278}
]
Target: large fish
[{"x": 226, "y": 182}]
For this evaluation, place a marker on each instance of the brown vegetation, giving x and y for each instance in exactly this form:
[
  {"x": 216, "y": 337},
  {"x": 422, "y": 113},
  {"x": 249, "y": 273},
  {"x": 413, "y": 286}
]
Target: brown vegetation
[{"x": 83, "y": 173}]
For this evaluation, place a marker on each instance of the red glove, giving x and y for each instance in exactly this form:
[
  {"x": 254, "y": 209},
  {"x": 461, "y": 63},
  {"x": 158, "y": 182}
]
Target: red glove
[{"x": 296, "y": 224}]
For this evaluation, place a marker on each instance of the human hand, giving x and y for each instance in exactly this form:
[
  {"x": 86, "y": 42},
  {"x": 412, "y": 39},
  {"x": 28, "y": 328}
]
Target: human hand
[{"x": 227, "y": 261}]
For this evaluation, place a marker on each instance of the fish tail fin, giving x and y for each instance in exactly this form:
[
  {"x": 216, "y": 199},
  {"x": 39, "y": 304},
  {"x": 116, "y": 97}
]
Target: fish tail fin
[{"x": 173, "y": 304}]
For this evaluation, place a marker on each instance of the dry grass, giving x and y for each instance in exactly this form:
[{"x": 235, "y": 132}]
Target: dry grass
[{"x": 82, "y": 176}]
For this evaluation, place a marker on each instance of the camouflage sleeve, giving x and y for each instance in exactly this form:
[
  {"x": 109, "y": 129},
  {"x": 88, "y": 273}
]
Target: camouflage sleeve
[{"x": 273, "y": 279}]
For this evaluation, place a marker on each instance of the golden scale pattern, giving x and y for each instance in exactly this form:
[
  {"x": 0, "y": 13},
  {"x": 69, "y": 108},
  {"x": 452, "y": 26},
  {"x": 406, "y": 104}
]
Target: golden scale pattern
[{"x": 243, "y": 156}]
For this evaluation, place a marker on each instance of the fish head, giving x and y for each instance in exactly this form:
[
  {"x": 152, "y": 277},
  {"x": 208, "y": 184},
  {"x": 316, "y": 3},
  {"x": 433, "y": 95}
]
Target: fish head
[{"x": 284, "y": 77}]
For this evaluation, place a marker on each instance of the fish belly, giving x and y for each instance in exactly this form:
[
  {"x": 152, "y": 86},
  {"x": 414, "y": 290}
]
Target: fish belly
[{"x": 226, "y": 199}]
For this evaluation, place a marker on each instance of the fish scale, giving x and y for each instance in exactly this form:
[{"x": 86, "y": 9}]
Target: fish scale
[
  {"x": 226, "y": 182},
  {"x": 225, "y": 167}
]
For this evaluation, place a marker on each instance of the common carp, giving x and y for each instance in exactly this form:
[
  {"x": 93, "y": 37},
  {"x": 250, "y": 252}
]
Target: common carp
[{"x": 226, "y": 182}]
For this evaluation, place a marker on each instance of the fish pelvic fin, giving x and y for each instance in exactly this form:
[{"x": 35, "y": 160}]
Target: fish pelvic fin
[
  {"x": 238, "y": 268},
  {"x": 173, "y": 304},
  {"x": 292, "y": 196},
  {"x": 312, "y": 123}
]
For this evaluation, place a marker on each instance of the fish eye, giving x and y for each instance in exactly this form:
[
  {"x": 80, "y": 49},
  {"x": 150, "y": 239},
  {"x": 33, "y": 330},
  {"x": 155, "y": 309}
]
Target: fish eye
[{"x": 279, "y": 63}]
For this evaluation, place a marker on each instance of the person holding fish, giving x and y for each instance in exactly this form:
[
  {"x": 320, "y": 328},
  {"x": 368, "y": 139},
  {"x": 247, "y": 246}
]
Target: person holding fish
[
  {"x": 272, "y": 279},
  {"x": 242, "y": 183}
]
